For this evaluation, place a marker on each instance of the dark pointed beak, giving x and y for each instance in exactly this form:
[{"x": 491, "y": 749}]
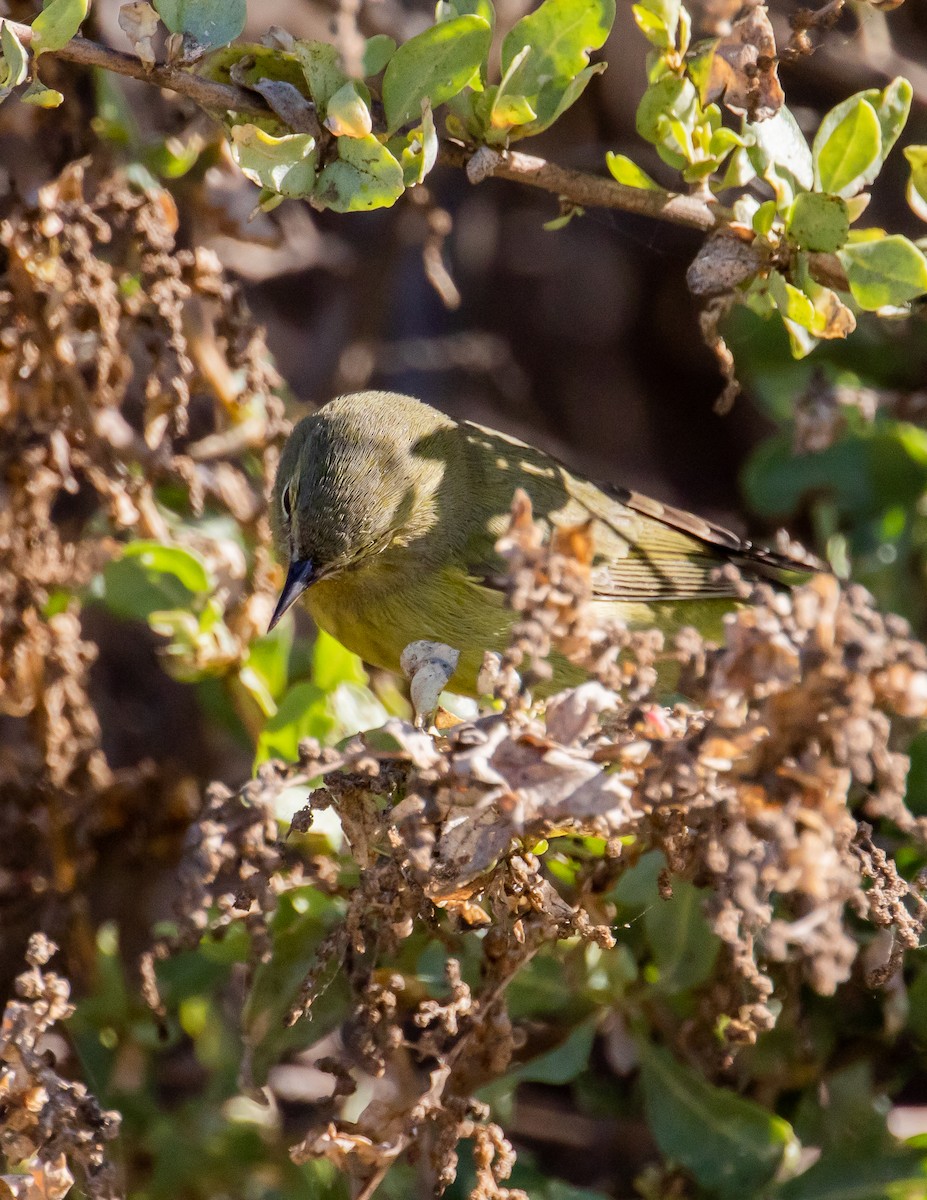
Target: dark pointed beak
[{"x": 298, "y": 578}]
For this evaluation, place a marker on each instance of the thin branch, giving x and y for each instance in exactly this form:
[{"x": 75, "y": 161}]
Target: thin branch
[
  {"x": 576, "y": 187},
  {"x": 586, "y": 189},
  {"x": 207, "y": 93}
]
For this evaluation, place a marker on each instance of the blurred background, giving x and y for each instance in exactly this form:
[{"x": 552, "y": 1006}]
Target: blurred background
[{"x": 584, "y": 341}]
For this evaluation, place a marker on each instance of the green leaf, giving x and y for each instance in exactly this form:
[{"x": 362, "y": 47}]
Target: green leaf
[
  {"x": 628, "y": 172},
  {"x": 284, "y": 165},
  {"x": 14, "y": 65},
  {"x": 683, "y": 945},
  {"x": 884, "y": 465},
  {"x": 917, "y": 182},
  {"x": 151, "y": 578},
  {"x": 333, "y": 664},
  {"x": 818, "y": 222},
  {"x": 417, "y": 150},
  {"x": 186, "y": 566},
  {"x": 844, "y": 1176},
  {"x": 303, "y": 712},
  {"x": 658, "y": 21},
  {"x": 447, "y": 10},
  {"x": 846, "y": 152},
  {"x": 508, "y": 111},
  {"x": 57, "y": 23},
  {"x": 378, "y": 50},
  {"x": 886, "y": 271},
  {"x": 664, "y": 100},
  {"x": 781, "y": 155},
  {"x": 41, "y": 96},
  {"x": 434, "y": 66},
  {"x": 347, "y": 114},
  {"x": 732, "y": 1146},
  {"x": 559, "y": 35},
  {"x": 562, "y": 1064},
  {"x": 555, "y": 98},
  {"x": 210, "y": 22},
  {"x": 892, "y": 107},
  {"x": 321, "y": 66},
  {"x": 364, "y": 176}
]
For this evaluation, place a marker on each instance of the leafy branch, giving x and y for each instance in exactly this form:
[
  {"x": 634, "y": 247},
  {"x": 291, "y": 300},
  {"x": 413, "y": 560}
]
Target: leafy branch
[{"x": 301, "y": 127}]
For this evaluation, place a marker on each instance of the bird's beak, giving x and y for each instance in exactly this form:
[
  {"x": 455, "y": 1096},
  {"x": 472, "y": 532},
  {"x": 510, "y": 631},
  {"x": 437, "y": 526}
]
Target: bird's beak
[{"x": 298, "y": 578}]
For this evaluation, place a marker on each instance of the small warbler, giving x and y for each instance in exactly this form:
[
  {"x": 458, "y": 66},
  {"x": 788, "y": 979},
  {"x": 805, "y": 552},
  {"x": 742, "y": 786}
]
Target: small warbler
[{"x": 387, "y": 513}]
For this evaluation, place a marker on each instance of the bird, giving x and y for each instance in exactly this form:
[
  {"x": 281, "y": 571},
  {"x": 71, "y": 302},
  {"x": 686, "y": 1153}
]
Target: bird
[{"x": 387, "y": 513}]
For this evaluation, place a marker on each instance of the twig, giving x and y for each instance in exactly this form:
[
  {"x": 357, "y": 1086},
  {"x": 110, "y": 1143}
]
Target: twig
[
  {"x": 578, "y": 187},
  {"x": 207, "y": 93},
  {"x": 591, "y": 191}
]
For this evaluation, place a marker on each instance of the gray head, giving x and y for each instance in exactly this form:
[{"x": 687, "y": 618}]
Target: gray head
[{"x": 349, "y": 482}]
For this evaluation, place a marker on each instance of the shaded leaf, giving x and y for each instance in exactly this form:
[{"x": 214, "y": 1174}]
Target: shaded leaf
[
  {"x": 731, "y": 1145},
  {"x": 210, "y": 22}
]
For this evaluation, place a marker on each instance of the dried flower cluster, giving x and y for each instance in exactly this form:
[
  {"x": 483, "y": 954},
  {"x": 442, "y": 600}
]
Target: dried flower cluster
[
  {"x": 49, "y": 1126},
  {"x": 763, "y": 791},
  {"x": 125, "y": 366}
]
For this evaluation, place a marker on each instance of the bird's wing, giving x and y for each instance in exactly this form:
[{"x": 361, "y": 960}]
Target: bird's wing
[{"x": 647, "y": 550}]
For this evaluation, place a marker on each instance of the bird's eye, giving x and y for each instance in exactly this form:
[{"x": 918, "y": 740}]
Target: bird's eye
[{"x": 286, "y": 501}]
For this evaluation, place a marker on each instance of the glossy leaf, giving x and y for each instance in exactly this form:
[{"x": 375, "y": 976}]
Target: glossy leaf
[
  {"x": 210, "y": 22},
  {"x": 845, "y": 153},
  {"x": 56, "y": 24},
  {"x": 347, "y": 113},
  {"x": 434, "y": 66},
  {"x": 41, "y": 96},
  {"x": 364, "y": 176},
  {"x": 625, "y": 171},
  {"x": 885, "y": 271},
  {"x": 891, "y": 107},
  {"x": 732, "y": 1146}
]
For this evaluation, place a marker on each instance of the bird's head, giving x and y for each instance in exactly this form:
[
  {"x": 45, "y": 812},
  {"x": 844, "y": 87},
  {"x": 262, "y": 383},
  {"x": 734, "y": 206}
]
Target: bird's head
[{"x": 351, "y": 480}]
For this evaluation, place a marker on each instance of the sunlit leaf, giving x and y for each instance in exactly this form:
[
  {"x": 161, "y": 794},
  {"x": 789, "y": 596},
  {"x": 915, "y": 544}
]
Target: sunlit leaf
[
  {"x": 434, "y": 66},
  {"x": 347, "y": 113},
  {"x": 558, "y": 36},
  {"x": 14, "y": 65},
  {"x": 846, "y": 152},
  {"x": 284, "y": 165},
  {"x": 364, "y": 176},
  {"x": 628, "y": 172},
  {"x": 57, "y": 23},
  {"x": 886, "y": 271},
  {"x": 818, "y": 222}
]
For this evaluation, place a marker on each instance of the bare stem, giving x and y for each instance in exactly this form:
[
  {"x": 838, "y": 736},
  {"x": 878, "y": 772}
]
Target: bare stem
[{"x": 574, "y": 187}]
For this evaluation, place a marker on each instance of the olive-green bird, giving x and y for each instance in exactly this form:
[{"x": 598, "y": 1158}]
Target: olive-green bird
[{"x": 387, "y": 513}]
